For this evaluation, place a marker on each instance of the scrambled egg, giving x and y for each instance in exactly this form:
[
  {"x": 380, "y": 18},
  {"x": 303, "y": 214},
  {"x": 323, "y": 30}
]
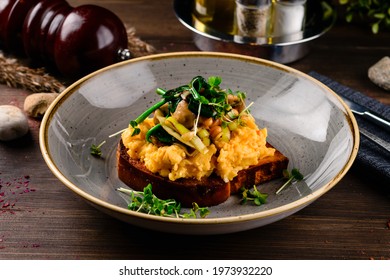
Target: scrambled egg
[{"x": 246, "y": 147}]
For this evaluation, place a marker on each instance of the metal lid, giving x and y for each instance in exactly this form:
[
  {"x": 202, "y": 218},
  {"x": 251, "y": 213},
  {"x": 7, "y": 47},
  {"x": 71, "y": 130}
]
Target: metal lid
[{"x": 254, "y": 2}]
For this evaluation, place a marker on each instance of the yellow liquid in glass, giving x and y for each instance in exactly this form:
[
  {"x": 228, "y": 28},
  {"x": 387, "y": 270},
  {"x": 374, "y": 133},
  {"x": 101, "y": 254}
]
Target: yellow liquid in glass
[{"x": 217, "y": 14}]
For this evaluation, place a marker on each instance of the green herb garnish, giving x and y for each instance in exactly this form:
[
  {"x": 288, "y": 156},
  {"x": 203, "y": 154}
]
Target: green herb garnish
[
  {"x": 144, "y": 115},
  {"x": 214, "y": 81},
  {"x": 295, "y": 175},
  {"x": 203, "y": 211},
  {"x": 146, "y": 202},
  {"x": 205, "y": 99},
  {"x": 96, "y": 150},
  {"x": 253, "y": 195}
]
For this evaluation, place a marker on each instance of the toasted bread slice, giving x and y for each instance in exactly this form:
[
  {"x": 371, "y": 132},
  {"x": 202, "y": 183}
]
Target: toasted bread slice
[{"x": 209, "y": 191}]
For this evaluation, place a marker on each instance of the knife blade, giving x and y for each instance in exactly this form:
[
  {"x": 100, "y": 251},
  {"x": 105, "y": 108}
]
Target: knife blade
[
  {"x": 380, "y": 142},
  {"x": 363, "y": 111}
]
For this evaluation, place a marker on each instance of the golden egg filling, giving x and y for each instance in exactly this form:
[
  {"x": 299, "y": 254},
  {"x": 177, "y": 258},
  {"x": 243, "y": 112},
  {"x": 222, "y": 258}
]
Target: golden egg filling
[{"x": 196, "y": 130}]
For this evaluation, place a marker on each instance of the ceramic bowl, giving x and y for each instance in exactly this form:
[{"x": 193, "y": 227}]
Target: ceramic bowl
[{"x": 306, "y": 121}]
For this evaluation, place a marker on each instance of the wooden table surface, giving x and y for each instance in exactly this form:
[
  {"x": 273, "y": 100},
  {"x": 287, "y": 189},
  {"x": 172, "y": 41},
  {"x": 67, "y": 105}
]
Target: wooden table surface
[{"x": 45, "y": 220}]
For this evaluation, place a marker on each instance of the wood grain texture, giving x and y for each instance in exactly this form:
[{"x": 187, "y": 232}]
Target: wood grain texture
[{"x": 50, "y": 222}]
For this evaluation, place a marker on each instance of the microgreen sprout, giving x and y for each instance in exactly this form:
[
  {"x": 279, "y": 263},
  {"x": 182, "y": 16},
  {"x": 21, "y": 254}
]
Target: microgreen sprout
[
  {"x": 146, "y": 202},
  {"x": 203, "y": 211},
  {"x": 214, "y": 81},
  {"x": 117, "y": 133},
  {"x": 295, "y": 175},
  {"x": 253, "y": 195},
  {"x": 96, "y": 150}
]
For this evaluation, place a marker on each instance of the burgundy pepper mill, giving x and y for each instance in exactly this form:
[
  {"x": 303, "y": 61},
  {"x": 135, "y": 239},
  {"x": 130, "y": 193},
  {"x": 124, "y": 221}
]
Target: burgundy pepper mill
[{"x": 76, "y": 41}]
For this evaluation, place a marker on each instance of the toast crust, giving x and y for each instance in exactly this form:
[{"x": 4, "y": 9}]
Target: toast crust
[{"x": 208, "y": 191}]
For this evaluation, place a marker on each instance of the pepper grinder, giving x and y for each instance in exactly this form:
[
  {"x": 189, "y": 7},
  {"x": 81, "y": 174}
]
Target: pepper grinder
[{"x": 252, "y": 17}]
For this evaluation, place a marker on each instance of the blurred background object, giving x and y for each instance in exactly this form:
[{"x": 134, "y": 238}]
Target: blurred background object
[{"x": 279, "y": 30}]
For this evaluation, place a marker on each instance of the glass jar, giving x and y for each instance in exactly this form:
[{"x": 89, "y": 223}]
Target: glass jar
[
  {"x": 253, "y": 17},
  {"x": 217, "y": 14},
  {"x": 288, "y": 17}
]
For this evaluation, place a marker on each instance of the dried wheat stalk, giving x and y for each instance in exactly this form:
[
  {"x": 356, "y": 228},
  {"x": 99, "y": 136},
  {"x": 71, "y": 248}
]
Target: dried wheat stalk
[
  {"x": 136, "y": 46},
  {"x": 14, "y": 74}
]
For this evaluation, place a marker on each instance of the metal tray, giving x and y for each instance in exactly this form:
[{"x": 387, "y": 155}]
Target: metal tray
[{"x": 284, "y": 49}]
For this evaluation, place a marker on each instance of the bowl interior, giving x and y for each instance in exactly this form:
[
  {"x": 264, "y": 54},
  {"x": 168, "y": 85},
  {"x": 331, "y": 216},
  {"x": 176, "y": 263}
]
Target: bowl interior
[{"x": 305, "y": 121}]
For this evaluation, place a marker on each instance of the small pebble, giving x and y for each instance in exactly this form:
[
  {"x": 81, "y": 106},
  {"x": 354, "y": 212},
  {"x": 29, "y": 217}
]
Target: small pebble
[
  {"x": 13, "y": 123},
  {"x": 35, "y": 105},
  {"x": 379, "y": 73}
]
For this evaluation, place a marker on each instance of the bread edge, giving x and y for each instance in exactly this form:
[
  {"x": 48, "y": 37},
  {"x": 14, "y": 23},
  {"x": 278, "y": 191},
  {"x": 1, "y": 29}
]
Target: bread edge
[{"x": 209, "y": 191}]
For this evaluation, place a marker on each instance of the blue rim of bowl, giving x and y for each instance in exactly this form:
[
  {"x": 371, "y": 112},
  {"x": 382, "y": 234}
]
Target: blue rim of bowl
[{"x": 298, "y": 204}]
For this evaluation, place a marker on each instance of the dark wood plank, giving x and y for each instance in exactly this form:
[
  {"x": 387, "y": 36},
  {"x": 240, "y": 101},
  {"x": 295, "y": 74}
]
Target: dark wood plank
[{"x": 50, "y": 222}]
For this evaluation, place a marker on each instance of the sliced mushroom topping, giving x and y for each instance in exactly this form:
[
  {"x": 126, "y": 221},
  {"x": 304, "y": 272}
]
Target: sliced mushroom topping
[{"x": 183, "y": 115}]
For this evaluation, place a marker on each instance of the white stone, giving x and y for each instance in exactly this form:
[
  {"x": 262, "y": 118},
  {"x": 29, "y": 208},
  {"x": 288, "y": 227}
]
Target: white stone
[
  {"x": 13, "y": 123},
  {"x": 379, "y": 73}
]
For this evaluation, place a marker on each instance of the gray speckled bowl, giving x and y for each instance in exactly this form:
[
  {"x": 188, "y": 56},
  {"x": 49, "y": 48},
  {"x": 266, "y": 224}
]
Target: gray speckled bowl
[{"x": 306, "y": 121}]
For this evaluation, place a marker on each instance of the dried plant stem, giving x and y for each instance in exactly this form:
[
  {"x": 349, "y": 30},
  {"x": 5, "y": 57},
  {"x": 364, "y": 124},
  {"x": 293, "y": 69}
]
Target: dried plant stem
[
  {"x": 14, "y": 74},
  {"x": 136, "y": 46}
]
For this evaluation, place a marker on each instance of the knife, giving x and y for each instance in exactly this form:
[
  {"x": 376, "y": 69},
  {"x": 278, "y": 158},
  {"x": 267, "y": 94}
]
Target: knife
[
  {"x": 363, "y": 111},
  {"x": 380, "y": 142}
]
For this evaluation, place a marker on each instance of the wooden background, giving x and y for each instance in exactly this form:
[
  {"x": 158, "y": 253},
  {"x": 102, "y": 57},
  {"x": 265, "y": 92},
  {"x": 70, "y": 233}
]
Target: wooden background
[{"x": 48, "y": 221}]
